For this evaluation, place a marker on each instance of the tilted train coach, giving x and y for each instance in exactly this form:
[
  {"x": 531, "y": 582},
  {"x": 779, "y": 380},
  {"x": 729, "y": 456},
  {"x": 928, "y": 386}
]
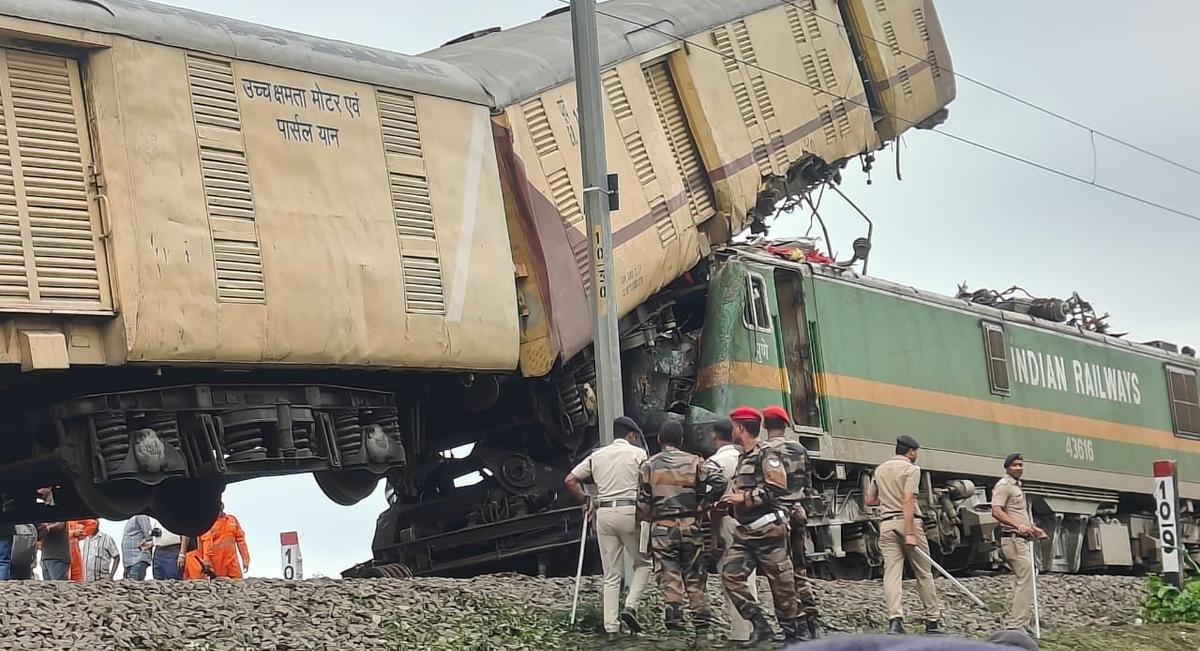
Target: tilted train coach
[{"x": 230, "y": 251}]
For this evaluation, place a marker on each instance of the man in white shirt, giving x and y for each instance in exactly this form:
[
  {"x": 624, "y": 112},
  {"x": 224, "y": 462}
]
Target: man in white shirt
[
  {"x": 168, "y": 554},
  {"x": 99, "y": 555},
  {"x": 726, "y": 458},
  {"x": 614, "y": 470}
]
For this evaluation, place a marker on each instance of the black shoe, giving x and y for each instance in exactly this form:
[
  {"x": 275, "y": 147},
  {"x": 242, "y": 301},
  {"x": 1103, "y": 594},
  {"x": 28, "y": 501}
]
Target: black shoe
[
  {"x": 934, "y": 627},
  {"x": 814, "y": 630},
  {"x": 895, "y": 626},
  {"x": 762, "y": 632},
  {"x": 631, "y": 620},
  {"x": 800, "y": 631}
]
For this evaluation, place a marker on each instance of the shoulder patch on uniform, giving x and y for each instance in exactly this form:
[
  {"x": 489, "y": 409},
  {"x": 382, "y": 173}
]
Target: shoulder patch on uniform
[{"x": 773, "y": 462}]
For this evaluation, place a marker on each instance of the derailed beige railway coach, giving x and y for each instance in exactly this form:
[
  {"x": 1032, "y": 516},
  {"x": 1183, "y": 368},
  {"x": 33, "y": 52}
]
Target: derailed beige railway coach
[
  {"x": 181, "y": 194},
  {"x": 716, "y": 110}
]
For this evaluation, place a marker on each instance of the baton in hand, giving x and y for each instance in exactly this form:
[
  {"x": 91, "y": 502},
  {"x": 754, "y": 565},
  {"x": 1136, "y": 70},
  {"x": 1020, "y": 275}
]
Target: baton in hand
[
  {"x": 1037, "y": 617},
  {"x": 944, "y": 573}
]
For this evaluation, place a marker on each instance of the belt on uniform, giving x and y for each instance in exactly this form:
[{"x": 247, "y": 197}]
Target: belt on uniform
[
  {"x": 676, "y": 516},
  {"x": 603, "y": 504},
  {"x": 763, "y": 521},
  {"x": 1010, "y": 534}
]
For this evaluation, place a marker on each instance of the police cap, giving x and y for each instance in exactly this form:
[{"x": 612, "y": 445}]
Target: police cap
[
  {"x": 908, "y": 442},
  {"x": 776, "y": 412},
  {"x": 1015, "y": 456},
  {"x": 624, "y": 424},
  {"x": 745, "y": 413}
]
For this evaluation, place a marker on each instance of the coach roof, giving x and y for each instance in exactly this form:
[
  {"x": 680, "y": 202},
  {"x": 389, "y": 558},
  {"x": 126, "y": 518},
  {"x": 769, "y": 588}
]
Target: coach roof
[
  {"x": 516, "y": 64},
  {"x": 201, "y": 32}
]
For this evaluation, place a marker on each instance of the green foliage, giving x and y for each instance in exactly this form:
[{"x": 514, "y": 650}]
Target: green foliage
[{"x": 1167, "y": 604}]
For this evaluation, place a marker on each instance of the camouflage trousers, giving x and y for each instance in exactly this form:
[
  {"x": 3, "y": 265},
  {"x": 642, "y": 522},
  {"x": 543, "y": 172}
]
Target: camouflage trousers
[
  {"x": 764, "y": 548},
  {"x": 796, "y": 546},
  {"x": 676, "y": 545}
]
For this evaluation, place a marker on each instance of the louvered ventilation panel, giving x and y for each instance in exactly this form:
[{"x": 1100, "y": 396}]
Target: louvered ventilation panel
[
  {"x": 643, "y": 166},
  {"x": 813, "y": 22},
  {"x": 796, "y": 23},
  {"x": 562, "y": 191},
  {"x": 905, "y": 82},
  {"x": 14, "y": 280},
  {"x": 889, "y": 32},
  {"x": 679, "y": 137},
  {"x": 412, "y": 204},
  {"x": 828, "y": 76},
  {"x": 228, "y": 197},
  {"x": 931, "y": 55},
  {"x": 881, "y": 6},
  {"x": 48, "y": 221},
  {"x": 827, "y": 124},
  {"x": 214, "y": 94},
  {"x": 741, "y": 95},
  {"x": 398, "y": 123},
  {"x": 424, "y": 292},
  {"x": 762, "y": 98}
]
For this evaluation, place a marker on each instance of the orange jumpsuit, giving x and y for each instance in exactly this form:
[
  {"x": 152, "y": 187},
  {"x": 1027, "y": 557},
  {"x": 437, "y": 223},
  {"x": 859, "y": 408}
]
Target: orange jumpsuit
[
  {"x": 78, "y": 530},
  {"x": 219, "y": 548}
]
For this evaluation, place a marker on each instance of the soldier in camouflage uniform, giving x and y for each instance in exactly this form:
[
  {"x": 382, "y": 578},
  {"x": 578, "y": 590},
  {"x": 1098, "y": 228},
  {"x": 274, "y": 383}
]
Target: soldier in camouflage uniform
[
  {"x": 673, "y": 486},
  {"x": 795, "y": 459},
  {"x": 761, "y": 538}
]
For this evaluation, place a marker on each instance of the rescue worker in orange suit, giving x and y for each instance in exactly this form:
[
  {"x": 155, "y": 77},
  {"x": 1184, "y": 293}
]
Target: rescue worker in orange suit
[
  {"x": 191, "y": 567},
  {"x": 221, "y": 546},
  {"x": 78, "y": 530}
]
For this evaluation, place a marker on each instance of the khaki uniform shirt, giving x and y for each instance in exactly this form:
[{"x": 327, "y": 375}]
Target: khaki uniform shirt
[
  {"x": 1010, "y": 497},
  {"x": 614, "y": 470},
  {"x": 894, "y": 479}
]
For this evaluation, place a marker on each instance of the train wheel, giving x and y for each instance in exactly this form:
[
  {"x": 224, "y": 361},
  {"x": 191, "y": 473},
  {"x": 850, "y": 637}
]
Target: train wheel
[
  {"x": 187, "y": 507},
  {"x": 114, "y": 501},
  {"x": 347, "y": 487}
]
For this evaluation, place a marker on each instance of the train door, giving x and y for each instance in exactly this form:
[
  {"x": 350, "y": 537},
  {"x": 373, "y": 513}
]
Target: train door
[{"x": 792, "y": 339}]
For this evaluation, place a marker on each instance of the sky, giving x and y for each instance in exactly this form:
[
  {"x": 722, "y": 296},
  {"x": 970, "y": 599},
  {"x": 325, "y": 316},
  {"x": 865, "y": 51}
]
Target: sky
[{"x": 958, "y": 215}]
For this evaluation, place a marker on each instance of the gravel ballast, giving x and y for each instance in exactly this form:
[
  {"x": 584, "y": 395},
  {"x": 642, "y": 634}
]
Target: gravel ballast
[{"x": 500, "y": 612}]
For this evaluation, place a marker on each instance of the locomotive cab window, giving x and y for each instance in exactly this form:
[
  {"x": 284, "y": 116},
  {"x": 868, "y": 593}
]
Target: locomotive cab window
[
  {"x": 757, "y": 316},
  {"x": 1185, "y": 401},
  {"x": 997, "y": 360}
]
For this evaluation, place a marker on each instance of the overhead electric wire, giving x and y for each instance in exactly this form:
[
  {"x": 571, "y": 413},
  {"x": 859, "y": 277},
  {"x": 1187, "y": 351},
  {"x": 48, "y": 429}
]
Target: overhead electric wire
[
  {"x": 999, "y": 91},
  {"x": 993, "y": 150}
]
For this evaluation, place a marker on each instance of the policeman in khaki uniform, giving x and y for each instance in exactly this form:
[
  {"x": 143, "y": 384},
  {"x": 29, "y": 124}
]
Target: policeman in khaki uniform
[
  {"x": 795, "y": 458},
  {"x": 614, "y": 470},
  {"x": 894, "y": 489},
  {"x": 1016, "y": 530},
  {"x": 761, "y": 537},
  {"x": 673, "y": 486}
]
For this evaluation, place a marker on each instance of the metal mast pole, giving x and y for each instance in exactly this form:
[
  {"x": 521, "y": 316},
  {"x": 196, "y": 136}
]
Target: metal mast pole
[{"x": 605, "y": 339}]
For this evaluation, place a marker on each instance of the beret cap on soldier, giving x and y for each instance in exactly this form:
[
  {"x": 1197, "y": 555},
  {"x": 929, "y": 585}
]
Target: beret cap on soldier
[
  {"x": 745, "y": 413},
  {"x": 776, "y": 412},
  {"x": 1008, "y": 461},
  {"x": 908, "y": 442}
]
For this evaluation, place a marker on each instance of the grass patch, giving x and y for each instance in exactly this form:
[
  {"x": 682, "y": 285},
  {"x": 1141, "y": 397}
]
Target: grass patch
[{"x": 1151, "y": 637}]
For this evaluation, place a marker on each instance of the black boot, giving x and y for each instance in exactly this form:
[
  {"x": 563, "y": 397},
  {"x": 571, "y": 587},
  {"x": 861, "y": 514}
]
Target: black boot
[
  {"x": 895, "y": 626},
  {"x": 814, "y": 630},
  {"x": 762, "y": 632},
  {"x": 630, "y": 618},
  {"x": 934, "y": 627},
  {"x": 800, "y": 630}
]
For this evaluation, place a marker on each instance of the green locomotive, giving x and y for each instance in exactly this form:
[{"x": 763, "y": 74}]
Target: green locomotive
[{"x": 858, "y": 361}]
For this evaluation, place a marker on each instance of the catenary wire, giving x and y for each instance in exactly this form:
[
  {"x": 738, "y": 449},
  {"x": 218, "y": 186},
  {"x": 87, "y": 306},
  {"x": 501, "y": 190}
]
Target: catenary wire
[
  {"x": 999, "y": 91},
  {"x": 987, "y": 148}
]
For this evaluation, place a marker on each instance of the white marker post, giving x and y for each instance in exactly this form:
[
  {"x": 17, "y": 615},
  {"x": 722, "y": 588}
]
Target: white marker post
[
  {"x": 1166, "y": 507},
  {"x": 289, "y": 554}
]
